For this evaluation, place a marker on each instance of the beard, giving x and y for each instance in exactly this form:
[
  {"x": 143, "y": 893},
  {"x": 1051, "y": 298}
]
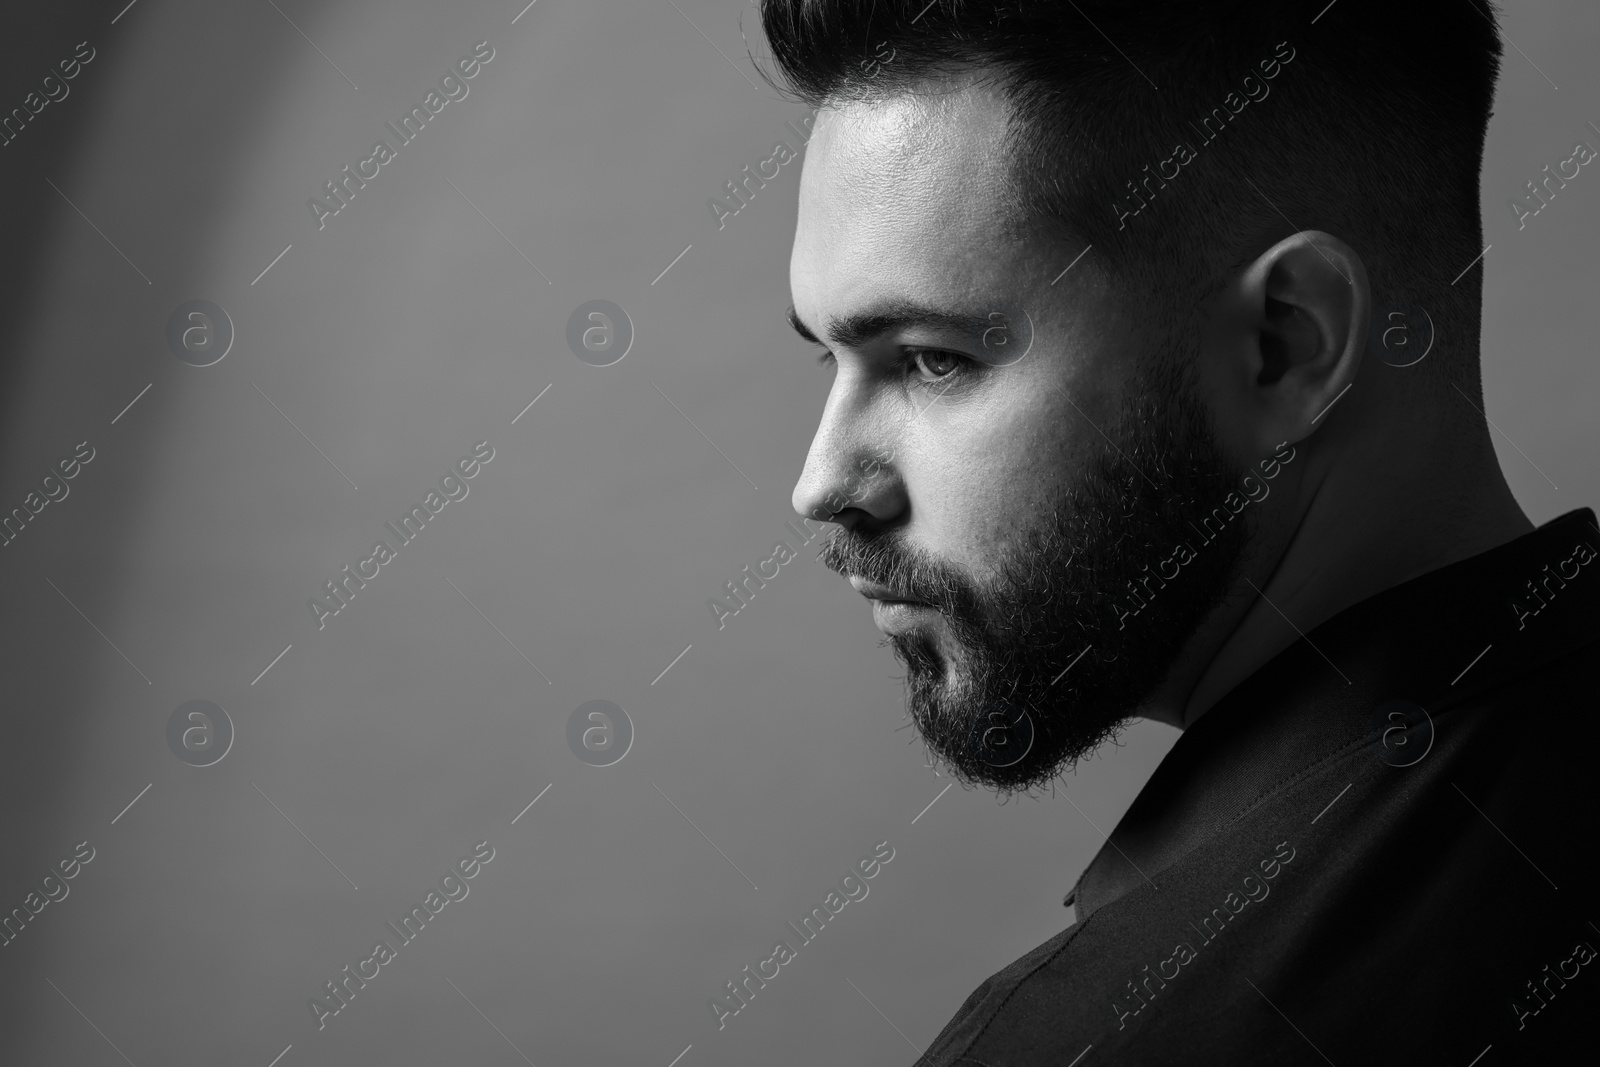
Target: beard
[{"x": 1051, "y": 657}]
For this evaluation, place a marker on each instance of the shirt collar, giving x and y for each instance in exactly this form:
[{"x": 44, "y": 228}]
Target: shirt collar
[{"x": 1437, "y": 640}]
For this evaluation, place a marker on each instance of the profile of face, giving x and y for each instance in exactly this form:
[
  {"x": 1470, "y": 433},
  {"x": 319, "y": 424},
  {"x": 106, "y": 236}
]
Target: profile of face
[{"x": 1026, "y": 502}]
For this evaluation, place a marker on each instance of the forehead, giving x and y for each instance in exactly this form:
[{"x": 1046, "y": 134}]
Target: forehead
[{"x": 900, "y": 197}]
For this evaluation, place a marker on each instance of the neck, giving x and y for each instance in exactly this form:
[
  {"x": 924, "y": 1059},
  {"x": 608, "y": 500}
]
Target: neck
[{"x": 1351, "y": 530}]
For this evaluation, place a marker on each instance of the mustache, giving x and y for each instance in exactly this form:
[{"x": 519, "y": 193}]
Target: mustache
[{"x": 881, "y": 560}]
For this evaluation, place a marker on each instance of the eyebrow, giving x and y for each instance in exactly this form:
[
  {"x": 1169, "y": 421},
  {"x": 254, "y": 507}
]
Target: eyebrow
[{"x": 855, "y": 330}]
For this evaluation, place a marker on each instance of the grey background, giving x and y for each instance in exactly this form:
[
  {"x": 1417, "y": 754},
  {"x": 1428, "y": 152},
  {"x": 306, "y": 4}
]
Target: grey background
[{"x": 395, "y": 338}]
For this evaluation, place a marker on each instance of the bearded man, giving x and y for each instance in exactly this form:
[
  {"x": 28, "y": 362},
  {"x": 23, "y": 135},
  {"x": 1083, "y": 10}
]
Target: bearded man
[{"x": 1166, "y": 317}]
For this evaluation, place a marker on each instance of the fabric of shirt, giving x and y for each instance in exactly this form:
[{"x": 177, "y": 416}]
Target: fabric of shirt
[{"x": 1378, "y": 848}]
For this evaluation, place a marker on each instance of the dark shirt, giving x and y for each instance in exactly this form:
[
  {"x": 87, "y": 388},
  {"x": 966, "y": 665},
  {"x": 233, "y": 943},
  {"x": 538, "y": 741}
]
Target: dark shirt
[{"x": 1379, "y": 848}]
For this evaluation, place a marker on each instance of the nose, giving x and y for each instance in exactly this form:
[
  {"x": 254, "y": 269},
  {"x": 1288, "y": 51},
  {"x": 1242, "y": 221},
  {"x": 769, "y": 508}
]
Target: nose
[{"x": 851, "y": 471}]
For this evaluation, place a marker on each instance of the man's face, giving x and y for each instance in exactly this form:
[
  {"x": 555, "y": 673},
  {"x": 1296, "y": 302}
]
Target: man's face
[{"x": 1022, "y": 500}]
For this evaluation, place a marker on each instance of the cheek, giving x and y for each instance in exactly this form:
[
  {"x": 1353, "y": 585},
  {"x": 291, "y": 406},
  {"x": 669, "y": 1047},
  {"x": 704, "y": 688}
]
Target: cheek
[{"x": 976, "y": 484}]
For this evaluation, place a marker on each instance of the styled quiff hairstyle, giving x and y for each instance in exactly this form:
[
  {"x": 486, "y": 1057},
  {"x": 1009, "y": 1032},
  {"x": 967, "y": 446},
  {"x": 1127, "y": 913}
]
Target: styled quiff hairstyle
[{"x": 1371, "y": 129}]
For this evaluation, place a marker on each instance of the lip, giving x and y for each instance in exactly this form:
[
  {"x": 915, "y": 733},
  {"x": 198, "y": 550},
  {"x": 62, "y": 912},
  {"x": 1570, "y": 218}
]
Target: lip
[
  {"x": 902, "y": 616},
  {"x": 892, "y": 613},
  {"x": 881, "y": 593}
]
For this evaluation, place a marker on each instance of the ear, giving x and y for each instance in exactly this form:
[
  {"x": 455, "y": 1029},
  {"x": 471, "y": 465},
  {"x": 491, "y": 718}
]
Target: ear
[{"x": 1286, "y": 341}]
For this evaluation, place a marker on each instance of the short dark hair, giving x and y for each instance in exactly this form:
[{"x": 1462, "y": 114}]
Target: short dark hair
[{"x": 1373, "y": 129}]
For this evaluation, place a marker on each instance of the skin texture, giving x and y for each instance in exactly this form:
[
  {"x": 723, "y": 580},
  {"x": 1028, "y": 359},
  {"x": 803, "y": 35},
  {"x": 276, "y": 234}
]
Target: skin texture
[{"x": 899, "y": 201}]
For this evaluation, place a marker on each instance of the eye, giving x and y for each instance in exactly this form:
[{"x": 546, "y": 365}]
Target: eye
[
  {"x": 933, "y": 365},
  {"x": 826, "y": 359}
]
